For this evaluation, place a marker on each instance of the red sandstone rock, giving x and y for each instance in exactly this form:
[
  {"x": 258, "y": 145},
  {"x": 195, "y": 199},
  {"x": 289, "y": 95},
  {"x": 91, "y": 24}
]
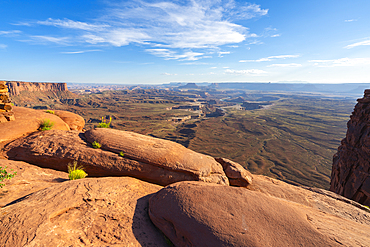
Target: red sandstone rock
[
  {"x": 158, "y": 152},
  {"x": 29, "y": 179},
  {"x": 202, "y": 214},
  {"x": 15, "y": 87},
  {"x": 74, "y": 121},
  {"x": 27, "y": 121},
  {"x": 56, "y": 148},
  {"x": 237, "y": 175},
  {"x": 84, "y": 212},
  {"x": 351, "y": 167}
]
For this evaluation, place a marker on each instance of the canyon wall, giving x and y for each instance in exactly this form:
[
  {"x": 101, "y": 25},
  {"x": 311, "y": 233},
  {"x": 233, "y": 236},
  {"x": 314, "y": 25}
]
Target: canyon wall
[
  {"x": 351, "y": 164},
  {"x": 15, "y": 87}
]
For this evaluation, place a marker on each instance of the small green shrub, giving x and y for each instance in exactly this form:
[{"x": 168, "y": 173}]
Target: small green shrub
[
  {"x": 75, "y": 172},
  {"x": 96, "y": 145},
  {"x": 46, "y": 124},
  {"x": 104, "y": 123},
  {"x": 121, "y": 154},
  {"x": 5, "y": 175},
  {"x": 50, "y": 111}
]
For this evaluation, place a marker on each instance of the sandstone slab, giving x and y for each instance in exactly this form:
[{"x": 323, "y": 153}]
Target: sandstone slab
[
  {"x": 56, "y": 148},
  {"x": 84, "y": 212},
  {"x": 158, "y": 152},
  {"x": 74, "y": 121},
  {"x": 27, "y": 121},
  {"x": 200, "y": 214},
  {"x": 29, "y": 179}
]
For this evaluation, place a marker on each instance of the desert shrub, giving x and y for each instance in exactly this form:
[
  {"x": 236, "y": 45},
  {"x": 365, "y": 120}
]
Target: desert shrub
[
  {"x": 104, "y": 123},
  {"x": 46, "y": 124},
  {"x": 95, "y": 144},
  {"x": 121, "y": 154},
  {"x": 5, "y": 175},
  {"x": 50, "y": 111},
  {"x": 75, "y": 171}
]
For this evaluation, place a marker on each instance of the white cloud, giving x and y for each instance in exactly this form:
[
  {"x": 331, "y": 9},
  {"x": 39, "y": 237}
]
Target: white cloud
[
  {"x": 10, "y": 33},
  {"x": 275, "y": 35},
  {"x": 342, "y": 62},
  {"x": 169, "y": 54},
  {"x": 221, "y": 53},
  {"x": 270, "y": 58},
  {"x": 253, "y": 72},
  {"x": 167, "y": 74},
  {"x": 49, "y": 39},
  {"x": 366, "y": 42},
  {"x": 73, "y": 24},
  {"x": 2, "y": 46},
  {"x": 285, "y": 65},
  {"x": 78, "y": 52},
  {"x": 351, "y": 20}
]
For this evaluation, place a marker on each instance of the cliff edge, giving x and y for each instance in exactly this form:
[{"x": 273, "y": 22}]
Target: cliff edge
[
  {"x": 351, "y": 164},
  {"x": 15, "y": 87}
]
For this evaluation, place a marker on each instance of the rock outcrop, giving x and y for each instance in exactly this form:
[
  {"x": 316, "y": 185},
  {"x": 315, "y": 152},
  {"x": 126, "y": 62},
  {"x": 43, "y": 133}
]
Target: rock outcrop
[
  {"x": 28, "y": 121},
  {"x": 236, "y": 174},
  {"x": 6, "y": 112},
  {"x": 74, "y": 121},
  {"x": 201, "y": 214},
  {"x": 161, "y": 153},
  {"x": 16, "y": 87},
  {"x": 351, "y": 164},
  {"x": 55, "y": 149},
  {"x": 84, "y": 212}
]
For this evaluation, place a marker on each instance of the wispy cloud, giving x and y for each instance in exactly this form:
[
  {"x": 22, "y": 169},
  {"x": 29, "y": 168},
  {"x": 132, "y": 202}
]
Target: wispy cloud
[
  {"x": 177, "y": 25},
  {"x": 350, "y": 20},
  {"x": 252, "y": 72},
  {"x": 270, "y": 58},
  {"x": 2, "y": 46},
  {"x": 10, "y": 33},
  {"x": 221, "y": 53},
  {"x": 169, "y": 54},
  {"x": 342, "y": 62},
  {"x": 50, "y": 39},
  {"x": 79, "y": 52},
  {"x": 366, "y": 42},
  {"x": 285, "y": 65},
  {"x": 168, "y": 74}
]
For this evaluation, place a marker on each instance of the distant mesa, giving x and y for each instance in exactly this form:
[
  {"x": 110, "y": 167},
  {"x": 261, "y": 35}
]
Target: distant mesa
[
  {"x": 189, "y": 86},
  {"x": 15, "y": 87}
]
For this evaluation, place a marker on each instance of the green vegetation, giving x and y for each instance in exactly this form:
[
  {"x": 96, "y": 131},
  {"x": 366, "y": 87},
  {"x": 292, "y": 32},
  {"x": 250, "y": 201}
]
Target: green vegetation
[
  {"x": 50, "y": 111},
  {"x": 104, "y": 123},
  {"x": 5, "y": 175},
  {"x": 96, "y": 145},
  {"x": 46, "y": 124},
  {"x": 121, "y": 154},
  {"x": 75, "y": 171}
]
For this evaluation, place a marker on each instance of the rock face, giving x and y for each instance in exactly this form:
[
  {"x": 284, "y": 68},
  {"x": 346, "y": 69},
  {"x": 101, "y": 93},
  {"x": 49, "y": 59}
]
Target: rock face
[
  {"x": 27, "y": 121},
  {"x": 29, "y": 179},
  {"x": 161, "y": 153},
  {"x": 236, "y": 174},
  {"x": 74, "y": 121},
  {"x": 6, "y": 113},
  {"x": 84, "y": 212},
  {"x": 15, "y": 87},
  {"x": 350, "y": 175},
  {"x": 202, "y": 214},
  {"x": 55, "y": 149}
]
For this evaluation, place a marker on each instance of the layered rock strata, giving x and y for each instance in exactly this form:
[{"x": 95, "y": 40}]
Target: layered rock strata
[
  {"x": 16, "y": 87},
  {"x": 6, "y": 109},
  {"x": 350, "y": 175}
]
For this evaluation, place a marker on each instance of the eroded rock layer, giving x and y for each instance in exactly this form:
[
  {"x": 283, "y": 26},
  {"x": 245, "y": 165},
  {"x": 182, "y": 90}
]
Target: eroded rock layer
[{"x": 350, "y": 175}]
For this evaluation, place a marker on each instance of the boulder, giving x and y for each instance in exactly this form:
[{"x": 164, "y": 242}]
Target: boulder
[
  {"x": 29, "y": 179},
  {"x": 74, "y": 121},
  {"x": 350, "y": 175},
  {"x": 237, "y": 175},
  {"x": 201, "y": 214},
  {"x": 56, "y": 148},
  {"x": 158, "y": 152},
  {"x": 27, "y": 121},
  {"x": 84, "y": 212}
]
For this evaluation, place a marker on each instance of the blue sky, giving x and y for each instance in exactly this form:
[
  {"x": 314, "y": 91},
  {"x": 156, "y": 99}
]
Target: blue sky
[{"x": 151, "y": 42}]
